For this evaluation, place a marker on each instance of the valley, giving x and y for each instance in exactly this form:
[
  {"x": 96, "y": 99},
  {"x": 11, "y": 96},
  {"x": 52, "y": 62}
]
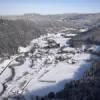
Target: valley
[
  {"x": 44, "y": 65},
  {"x": 39, "y": 54}
]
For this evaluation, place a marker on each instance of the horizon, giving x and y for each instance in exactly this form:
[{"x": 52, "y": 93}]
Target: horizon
[
  {"x": 48, "y": 7},
  {"x": 23, "y": 14}
]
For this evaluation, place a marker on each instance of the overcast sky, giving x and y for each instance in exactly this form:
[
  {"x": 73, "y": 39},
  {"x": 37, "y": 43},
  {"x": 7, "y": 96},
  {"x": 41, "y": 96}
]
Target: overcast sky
[{"x": 48, "y": 6}]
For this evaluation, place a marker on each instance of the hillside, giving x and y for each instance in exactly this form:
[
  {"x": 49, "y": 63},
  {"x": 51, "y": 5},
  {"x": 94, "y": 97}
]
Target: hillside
[
  {"x": 60, "y": 20},
  {"x": 20, "y": 30},
  {"x": 17, "y": 33},
  {"x": 92, "y": 36}
]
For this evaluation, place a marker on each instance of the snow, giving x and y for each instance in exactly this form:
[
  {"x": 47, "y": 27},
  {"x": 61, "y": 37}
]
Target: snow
[
  {"x": 57, "y": 76},
  {"x": 71, "y": 34},
  {"x": 62, "y": 71},
  {"x": 95, "y": 48},
  {"x": 68, "y": 29},
  {"x": 82, "y": 56},
  {"x": 44, "y": 70},
  {"x": 57, "y": 37},
  {"x": 7, "y": 73},
  {"x": 24, "y": 49},
  {"x": 60, "y": 40},
  {"x": 69, "y": 49},
  {"x": 22, "y": 68},
  {"x": 83, "y": 30},
  {"x": 68, "y": 35},
  {"x": 3, "y": 65},
  {"x": 63, "y": 68}
]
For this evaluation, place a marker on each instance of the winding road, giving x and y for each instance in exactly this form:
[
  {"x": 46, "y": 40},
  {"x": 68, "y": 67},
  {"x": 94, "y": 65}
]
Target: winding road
[{"x": 11, "y": 67}]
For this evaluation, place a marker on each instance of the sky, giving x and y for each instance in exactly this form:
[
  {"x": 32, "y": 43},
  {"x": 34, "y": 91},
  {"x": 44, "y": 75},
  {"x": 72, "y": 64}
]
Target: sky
[{"x": 12, "y": 7}]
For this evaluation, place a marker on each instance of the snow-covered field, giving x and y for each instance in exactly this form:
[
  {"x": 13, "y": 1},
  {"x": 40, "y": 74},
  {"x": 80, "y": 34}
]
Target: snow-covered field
[{"x": 45, "y": 65}]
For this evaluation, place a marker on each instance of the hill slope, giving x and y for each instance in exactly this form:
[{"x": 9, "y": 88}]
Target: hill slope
[{"x": 16, "y": 33}]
